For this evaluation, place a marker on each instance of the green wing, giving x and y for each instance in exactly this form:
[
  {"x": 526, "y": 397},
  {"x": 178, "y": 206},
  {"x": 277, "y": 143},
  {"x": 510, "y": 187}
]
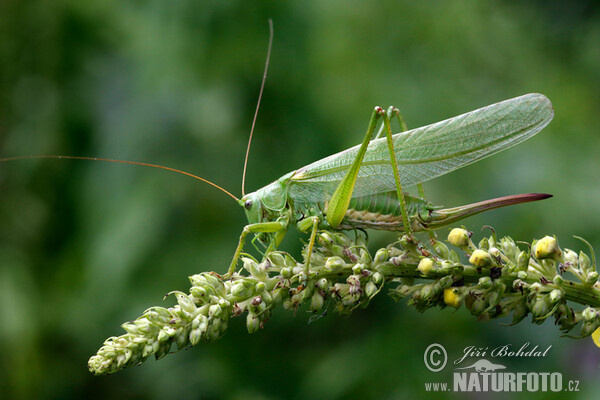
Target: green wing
[{"x": 428, "y": 152}]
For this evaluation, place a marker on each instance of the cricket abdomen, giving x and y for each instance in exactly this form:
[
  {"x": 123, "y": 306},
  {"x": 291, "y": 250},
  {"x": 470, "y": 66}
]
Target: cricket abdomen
[{"x": 382, "y": 211}]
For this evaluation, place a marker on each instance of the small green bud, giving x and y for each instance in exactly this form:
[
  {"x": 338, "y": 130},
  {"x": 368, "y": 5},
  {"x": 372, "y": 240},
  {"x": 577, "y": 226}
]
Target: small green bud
[
  {"x": 186, "y": 304},
  {"x": 459, "y": 237},
  {"x": 325, "y": 239},
  {"x": 323, "y": 284},
  {"x": 286, "y": 272},
  {"x": 494, "y": 252},
  {"x": 454, "y": 257},
  {"x": 547, "y": 247},
  {"x": 523, "y": 261},
  {"x": 556, "y": 295},
  {"x": 445, "y": 282},
  {"x": 357, "y": 269},
  {"x": 570, "y": 256},
  {"x": 589, "y": 314},
  {"x": 536, "y": 287},
  {"x": 480, "y": 258},
  {"x": 558, "y": 280},
  {"x": 592, "y": 278},
  {"x": 484, "y": 244},
  {"x": 584, "y": 262},
  {"x": 365, "y": 256},
  {"x": 485, "y": 282},
  {"x": 381, "y": 256},
  {"x": 371, "y": 289},
  {"x": 215, "y": 311},
  {"x": 509, "y": 247},
  {"x": 520, "y": 312},
  {"x": 334, "y": 263},
  {"x": 522, "y": 275},
  {"x": 252, "y": 323},
  {"x": 260, "y": 287},
  {"x": 427, "y": 292},
  {"x": 316, "y": 302},
  {"x": 377, "y": 278},
  {"x": 425, "y": 265},
  {"x": 541, "y": 306},
  {"x": 441, "y": 249},
  {"x": 479, "y": 305}
]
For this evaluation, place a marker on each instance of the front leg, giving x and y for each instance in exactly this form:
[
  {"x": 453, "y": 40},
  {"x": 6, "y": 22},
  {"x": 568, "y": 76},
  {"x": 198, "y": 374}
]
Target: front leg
[{"x": 278, "y": 227}]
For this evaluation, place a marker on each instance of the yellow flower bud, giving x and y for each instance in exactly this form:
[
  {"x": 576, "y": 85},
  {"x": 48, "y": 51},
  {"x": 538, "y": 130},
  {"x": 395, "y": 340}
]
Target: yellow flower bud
[
  {"x": 547, "y": 247},
  {"x": 459, "y": 237},
  {"x": 596, "y": 337},
  {"x": 452, "y": 297},
  {"x": 425, "y": 265},
  {"x": 480, "y": 258}
]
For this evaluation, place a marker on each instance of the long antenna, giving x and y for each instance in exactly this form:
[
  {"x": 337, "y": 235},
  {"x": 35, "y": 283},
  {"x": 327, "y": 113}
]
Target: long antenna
[
  {"x": 262, "y": 86},
  {"x": 123, "y": 162}
]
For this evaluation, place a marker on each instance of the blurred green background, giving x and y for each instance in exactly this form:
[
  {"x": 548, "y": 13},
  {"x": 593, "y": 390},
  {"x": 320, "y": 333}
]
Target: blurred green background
[{"x": 86, "y": 246}]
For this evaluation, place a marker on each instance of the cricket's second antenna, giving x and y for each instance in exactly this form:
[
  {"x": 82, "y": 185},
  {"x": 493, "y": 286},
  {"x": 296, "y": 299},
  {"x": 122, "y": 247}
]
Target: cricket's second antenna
[
  {"x": 124, "y": 162},
  {"x": 262, "y": 86}
]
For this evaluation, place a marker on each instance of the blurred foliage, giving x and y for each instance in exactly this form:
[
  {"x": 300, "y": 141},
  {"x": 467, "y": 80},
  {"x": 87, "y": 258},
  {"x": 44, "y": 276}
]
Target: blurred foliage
[{"x": 85, "y": 246}]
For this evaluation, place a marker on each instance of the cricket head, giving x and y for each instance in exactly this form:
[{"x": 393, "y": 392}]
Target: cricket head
[
  {"x": 252, "y": 206},
  {"x": 266, "y": 204}
]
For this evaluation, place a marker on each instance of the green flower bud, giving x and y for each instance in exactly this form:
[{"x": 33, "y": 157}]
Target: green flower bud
[
  {"x": 441, "y": 249},
  {"x": 541, "y": 306},
  {"x": 592, "y": 278},
  {"x": 454, "y": 257},
  {"x": 556, "y": 295},
  {"x": 522, "y": 261},
  {"x": 371, "y": 289},
  {"x": 325, "y": 239},
  {"x": 186, "y": 304},
  {"x": 357, "y": 269},
  {"x": 520, "y": 312},
  {"x": 584, "y": 262},
  {"x": 509, "y": 247},
  {"x": 589, "y": 314},
  {"x": 334, "y": 264},
  {"x": 252, "y": 323},
  {"x": 484, "y": 244},
  {"x": 485, "y": 282},
  {"x": 558, "y": 280},
  {"x": 381, "y": 256},
  {"x": 494, "y": 252},
  {"x": 522, "y": 275},
  {"x": 547, "y": 247},
  {"x": 286, "y": 273},
  {"x": 427, "y": 292},
  {"x": 459, "y": 237},
  {"x": 479, "y": 305},
  {"x": 215, "y": 311},
  {"x": 377, "y": 278},
  {"x": 260, "y": 287},
  {"x": 425, "y": 265},
  {"x": 480, "y": 258},
  {"x": 570, "y": 256},
  {"x": 316, "y": 302},
  {"x": 323, "y": 284},
  {"x": 589, "y": 327}
]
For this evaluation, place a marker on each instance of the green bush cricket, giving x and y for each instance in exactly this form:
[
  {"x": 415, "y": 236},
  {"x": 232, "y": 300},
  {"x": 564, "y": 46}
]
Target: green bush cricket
[{"x": 361, "y": 187}]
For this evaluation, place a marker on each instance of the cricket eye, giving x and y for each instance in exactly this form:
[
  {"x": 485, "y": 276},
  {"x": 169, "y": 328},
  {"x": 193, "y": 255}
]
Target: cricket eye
[{"x": 248, "y": 204}]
